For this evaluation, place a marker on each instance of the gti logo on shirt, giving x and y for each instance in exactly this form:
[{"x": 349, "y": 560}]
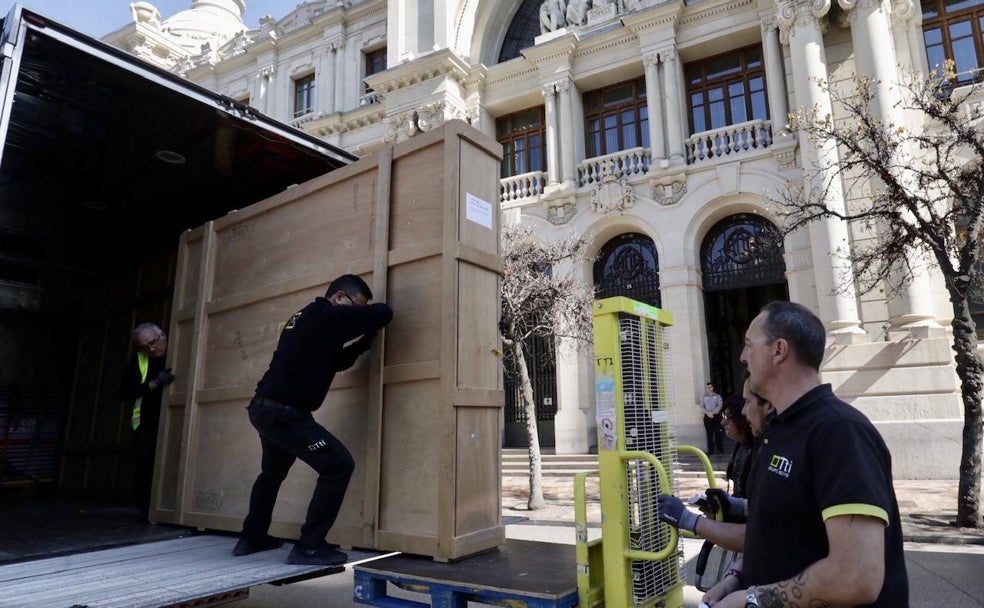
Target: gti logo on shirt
[{"x": 780, "y": 465}]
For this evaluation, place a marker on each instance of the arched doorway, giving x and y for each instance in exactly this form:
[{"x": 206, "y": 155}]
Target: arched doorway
[
  {"x": 628, "y": 265},
  {"x": 742, "y": 263}
]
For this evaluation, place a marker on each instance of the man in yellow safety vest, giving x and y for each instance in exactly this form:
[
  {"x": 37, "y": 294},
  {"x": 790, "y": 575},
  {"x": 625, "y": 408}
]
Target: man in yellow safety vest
[{"x": 142, "y": 384}]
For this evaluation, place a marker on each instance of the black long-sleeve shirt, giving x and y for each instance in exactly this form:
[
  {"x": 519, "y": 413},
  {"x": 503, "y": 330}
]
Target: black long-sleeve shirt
[{"x": 312, "y": 349}]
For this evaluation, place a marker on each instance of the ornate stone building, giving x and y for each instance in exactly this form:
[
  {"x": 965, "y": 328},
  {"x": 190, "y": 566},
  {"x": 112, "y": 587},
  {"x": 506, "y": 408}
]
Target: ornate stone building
[{"x": 656, "y": 129}]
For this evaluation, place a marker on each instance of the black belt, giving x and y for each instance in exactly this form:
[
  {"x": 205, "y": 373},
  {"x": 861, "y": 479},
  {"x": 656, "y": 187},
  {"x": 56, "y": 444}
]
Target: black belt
[{"x": 271, "y": 403}]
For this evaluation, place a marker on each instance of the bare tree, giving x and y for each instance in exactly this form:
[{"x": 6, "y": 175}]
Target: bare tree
[
  {"x": 924, "y": 180},
  {"x": 541, "y": 297}
]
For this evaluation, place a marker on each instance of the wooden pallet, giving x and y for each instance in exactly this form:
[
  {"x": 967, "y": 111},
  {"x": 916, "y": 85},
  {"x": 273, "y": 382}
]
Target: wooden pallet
[{"x": 519, "y": 573}]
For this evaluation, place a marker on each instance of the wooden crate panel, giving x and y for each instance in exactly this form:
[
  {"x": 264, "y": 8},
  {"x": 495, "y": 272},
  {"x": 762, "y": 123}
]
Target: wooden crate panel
[
  {"x": 241, "y": 340},
  {"x": 168, "y": 466},
  {"x": 189, "y": 270},
  {"x": 479, "y": 362},
  {"x": 295, "y": 240},
  {"x": 478, "y": 499},
  {"x": 417, "y": 212},
  {"x": 180, "y": 341},
  {"x": 414, "y": 292},
  {"x": 414, "y": 435}
]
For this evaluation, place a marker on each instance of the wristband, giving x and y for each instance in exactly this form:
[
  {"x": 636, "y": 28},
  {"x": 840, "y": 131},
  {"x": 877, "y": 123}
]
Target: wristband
[{"x": 735, "y": 573}]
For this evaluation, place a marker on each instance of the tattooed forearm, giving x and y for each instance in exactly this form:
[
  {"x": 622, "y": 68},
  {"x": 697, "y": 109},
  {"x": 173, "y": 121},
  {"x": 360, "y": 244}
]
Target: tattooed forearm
[{"x": 788, "y": 594}]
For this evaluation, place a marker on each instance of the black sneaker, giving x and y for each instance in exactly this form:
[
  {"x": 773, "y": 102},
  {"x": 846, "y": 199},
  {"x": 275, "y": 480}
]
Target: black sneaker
[
  {"x": 248, "y": 547},
  {"x": 324, "y": 555}
]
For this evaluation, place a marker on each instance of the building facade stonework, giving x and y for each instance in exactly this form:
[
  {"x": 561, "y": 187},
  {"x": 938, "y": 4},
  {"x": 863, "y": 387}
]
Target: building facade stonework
[{"x": 656, "y": 129}]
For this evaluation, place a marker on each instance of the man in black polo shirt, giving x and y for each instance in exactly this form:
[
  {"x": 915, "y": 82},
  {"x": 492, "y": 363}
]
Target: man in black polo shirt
[
  {"x": 311, "y": 349},
  {"x": 823, "y": 522}
]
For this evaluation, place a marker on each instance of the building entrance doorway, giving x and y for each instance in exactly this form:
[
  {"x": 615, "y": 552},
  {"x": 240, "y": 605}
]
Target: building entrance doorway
[{"x": 743, "y": 269}]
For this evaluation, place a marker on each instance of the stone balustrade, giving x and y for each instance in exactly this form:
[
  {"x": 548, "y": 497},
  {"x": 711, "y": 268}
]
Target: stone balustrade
[
  {"x": 634, "y": 161},
  {"x": 729, "y": 141},
  {"x": 525, "y": 185}
]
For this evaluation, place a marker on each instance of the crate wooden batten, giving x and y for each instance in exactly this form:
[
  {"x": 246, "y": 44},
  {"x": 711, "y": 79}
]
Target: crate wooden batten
[{"x": 427, "y": 446}]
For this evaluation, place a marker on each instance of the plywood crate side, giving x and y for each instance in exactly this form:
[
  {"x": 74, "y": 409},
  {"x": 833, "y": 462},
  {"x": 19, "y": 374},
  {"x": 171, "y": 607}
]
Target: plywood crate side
[
  {"x": 413, "y": 291},
  {"x": 166, "y": 471},
  {"x": 295, "y": 240},
  {"x": 478, "y": 499},
  {"x": 479, "y": 363},
  {"x": 188, "y": 270},
  {"x": 416, "y": 436},
  {"x": 417, "y": 197}
]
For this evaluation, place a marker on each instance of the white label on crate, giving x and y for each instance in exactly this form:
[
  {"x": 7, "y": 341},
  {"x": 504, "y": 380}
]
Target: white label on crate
[{"x": 478, "y": 211}]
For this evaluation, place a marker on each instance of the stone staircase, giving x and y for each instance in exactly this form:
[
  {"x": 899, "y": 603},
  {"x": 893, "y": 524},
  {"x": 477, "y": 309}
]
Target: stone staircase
[{"x": 516, "y": 463}]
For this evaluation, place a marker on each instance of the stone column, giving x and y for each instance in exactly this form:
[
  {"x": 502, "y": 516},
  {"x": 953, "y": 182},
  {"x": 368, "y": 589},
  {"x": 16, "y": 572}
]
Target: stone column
[
  {"x": 828, "y": 237},
  {"x": 565, "y": 90},
  {"x": 874, "y": 53},
  {"x": 338, "y": 87},
  {"x": 550, "y": 111},
  {"x": 775, "y": 75},
  {"x": 675, "y": 120},
  {"x": 329, "y": 76},
  {"x": 654, "y": 103},
  {"x": 262, "y": 84}
]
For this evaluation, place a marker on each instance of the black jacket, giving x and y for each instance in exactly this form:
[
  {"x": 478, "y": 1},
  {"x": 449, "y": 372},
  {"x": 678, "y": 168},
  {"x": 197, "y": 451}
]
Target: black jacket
[{"x": 312, "y": 349}]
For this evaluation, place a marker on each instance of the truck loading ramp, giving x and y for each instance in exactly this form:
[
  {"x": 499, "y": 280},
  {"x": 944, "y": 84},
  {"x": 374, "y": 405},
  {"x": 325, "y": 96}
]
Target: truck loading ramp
[{"x": 192, "y": 571}]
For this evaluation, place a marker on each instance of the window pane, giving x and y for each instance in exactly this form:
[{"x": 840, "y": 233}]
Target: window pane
[
  {"x": 965, "y": 59},
  {"x": 718, "y": 117},
  {"x": 644, "y": 126},
  {"x": 536, "y": 153},
  {"x": 929, "y": 9},
  {"x": 760, "y": 106},
  {"x": 611, "y": 135},
  {"x": 952, "y": 6},
  {"x": 617, "y": 95},
  {"x": 629, "y": 139}
]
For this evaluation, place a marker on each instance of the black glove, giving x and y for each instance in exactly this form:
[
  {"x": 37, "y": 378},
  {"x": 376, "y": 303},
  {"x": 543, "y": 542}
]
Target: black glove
[
  {"x": 672, "y": 511},
  {"x": 732, "y": 508},
  {"x": 165, "y": 377}
]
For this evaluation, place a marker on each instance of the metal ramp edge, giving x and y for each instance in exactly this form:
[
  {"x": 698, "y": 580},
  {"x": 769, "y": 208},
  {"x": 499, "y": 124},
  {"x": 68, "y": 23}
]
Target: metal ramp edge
[{"x": 151, "y": 575}]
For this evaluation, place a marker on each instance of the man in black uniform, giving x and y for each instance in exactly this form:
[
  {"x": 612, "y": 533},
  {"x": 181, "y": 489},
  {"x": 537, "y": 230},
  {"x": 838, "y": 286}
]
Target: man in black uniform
[
  {"x": 823, "y": 521},
  {"x": 311, "y": 349},
  {"x": 142, "y": 384}
]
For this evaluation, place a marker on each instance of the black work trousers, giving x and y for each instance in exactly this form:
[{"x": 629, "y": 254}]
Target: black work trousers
[
  {"x": 287, "y": 434},
  {"x": 715, "y": 434}
]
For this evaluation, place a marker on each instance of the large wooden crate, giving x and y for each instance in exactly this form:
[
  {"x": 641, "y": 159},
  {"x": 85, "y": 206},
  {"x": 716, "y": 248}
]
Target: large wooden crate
[{"x": 420, "y": 414}]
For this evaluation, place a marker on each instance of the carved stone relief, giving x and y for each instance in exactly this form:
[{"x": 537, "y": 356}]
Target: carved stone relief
[{"x": 612, "y": 194}]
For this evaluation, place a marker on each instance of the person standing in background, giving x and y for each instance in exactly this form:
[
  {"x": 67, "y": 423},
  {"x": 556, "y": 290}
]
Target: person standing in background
[
  {"x": 142, "y": 384},
  {"x": 711, "y": 405}
]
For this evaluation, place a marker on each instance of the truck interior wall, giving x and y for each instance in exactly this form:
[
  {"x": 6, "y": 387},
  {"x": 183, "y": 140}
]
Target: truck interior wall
[{"x": 62, "y": 424}]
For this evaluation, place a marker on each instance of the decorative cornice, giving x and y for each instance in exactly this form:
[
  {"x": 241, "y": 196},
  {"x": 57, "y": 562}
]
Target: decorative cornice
[
  {"x": 557, "y": 49},
  {"x": 714, "y": 11},
  {"x": 615, "y": 43},
  {"x": 443, "y": 63}
]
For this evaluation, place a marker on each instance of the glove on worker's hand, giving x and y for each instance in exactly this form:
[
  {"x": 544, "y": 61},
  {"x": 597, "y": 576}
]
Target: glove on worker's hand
[
  {"x": 673, "y": 512},
  {"x": 165, "y": 377},
  {"x": 731, "y": 507}
]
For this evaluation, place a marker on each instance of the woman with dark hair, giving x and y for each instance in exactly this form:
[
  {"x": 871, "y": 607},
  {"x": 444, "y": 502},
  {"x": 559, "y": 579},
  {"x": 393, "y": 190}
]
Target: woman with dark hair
[{"x": 737, "y": 428}]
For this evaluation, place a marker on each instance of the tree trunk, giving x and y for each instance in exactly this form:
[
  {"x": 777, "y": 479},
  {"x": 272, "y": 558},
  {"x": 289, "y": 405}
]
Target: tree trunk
[
  {"x": 970, "y": 370},
  {"x": 536, "y": 470}
]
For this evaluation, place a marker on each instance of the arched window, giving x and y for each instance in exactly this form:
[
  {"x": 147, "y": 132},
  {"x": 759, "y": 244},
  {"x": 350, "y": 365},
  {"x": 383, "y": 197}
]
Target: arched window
[
  {"x": 628, "y": 266},
  {"x": 742, "y": 250},
  {"x": 524, "y": 28}
]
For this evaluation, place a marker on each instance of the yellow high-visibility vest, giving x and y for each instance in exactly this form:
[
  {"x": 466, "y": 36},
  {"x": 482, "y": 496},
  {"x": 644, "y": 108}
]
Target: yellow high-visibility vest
[{"x": 143, "y": 362}]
